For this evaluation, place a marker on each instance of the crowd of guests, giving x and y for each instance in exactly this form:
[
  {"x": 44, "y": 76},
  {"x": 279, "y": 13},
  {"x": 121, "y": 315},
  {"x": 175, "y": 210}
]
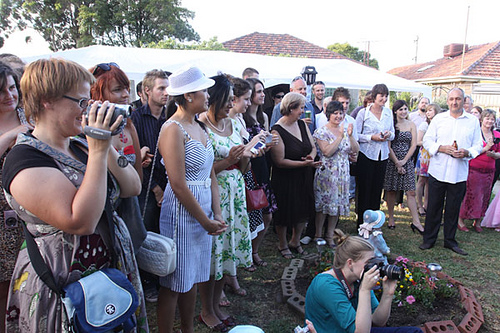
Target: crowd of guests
[{"x": 182, "y": 164}]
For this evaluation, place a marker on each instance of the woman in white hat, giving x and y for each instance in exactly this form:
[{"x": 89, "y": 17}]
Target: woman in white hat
[{"x": 190, "y": 211}]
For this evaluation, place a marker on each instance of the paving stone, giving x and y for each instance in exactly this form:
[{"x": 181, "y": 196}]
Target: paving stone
[
  {"x": 298, "y": 303},
  {"x": 299, "y": 263},
  {"x": 310, "y": 257},
  {"x": 289, "y": 273},
  {"x": 469, "y": 324},
  {"x": 474, "y": 308},
  {"x": 441, "y": 326},
  {"x": 465, "y": 293},
  {"x": 287, "y": 288}
]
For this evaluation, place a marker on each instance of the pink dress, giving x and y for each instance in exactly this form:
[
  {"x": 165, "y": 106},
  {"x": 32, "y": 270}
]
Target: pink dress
[{"x": 492, "y": 216}]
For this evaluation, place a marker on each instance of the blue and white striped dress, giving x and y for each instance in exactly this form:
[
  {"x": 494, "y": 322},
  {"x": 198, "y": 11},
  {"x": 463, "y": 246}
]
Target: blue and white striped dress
[{"x": 193, "y": 242}]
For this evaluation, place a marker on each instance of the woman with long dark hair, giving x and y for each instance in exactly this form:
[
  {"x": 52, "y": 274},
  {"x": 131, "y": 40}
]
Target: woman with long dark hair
[
  {"x": 400, "y": 172},
  {"x": 257, "y": 123},
  {"x": 232, "y": 248}
]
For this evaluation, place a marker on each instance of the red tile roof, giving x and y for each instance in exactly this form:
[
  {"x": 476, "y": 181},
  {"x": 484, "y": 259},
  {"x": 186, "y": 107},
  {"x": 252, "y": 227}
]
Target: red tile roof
[
  {"x": 279, "y": 44},
  {"x": 479, "y": 61}
]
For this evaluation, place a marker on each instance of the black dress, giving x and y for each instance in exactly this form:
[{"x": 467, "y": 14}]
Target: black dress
[{"x": 293, "y": 187}]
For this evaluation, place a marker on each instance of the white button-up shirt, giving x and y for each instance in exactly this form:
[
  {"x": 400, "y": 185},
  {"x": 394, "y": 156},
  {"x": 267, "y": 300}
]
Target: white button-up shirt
[
  {"x": 443, "y": 130},
  {"x": 367, "y": 125}
]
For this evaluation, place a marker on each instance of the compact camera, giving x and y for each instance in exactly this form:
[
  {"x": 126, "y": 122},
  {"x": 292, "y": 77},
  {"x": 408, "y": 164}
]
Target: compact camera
[
  {"x": 392, "y": 272},
  {"x": 120, "y": 109},
  {"x": 10, "y": 219}
]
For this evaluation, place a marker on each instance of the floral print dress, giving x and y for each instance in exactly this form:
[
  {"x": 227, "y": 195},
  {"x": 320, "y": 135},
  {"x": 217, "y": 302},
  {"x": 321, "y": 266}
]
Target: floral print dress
[
  {"x": 331, "y": 181},
  {"x": 233, "y": 248}
]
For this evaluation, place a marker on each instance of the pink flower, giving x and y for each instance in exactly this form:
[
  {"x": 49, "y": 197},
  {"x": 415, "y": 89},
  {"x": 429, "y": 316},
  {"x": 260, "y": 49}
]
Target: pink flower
[
  {"x": 400, "y": 304},
  {"x": 410, "y": 299},
  {"x": 405, "y": 260},
  {"x": 400, "y": 258}
]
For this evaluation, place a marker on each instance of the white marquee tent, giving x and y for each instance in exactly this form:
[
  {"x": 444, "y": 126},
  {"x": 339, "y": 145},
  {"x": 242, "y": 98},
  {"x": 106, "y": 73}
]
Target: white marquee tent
[{"x": 135, "y": 62}]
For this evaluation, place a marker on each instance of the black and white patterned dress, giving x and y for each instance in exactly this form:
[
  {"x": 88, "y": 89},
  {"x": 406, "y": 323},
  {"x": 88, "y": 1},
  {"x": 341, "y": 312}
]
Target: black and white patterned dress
[{"x": 394, "y": 181}]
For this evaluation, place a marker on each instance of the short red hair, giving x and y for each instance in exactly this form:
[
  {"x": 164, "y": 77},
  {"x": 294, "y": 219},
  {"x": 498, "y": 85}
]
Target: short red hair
[{"x": 103, "y": 80}]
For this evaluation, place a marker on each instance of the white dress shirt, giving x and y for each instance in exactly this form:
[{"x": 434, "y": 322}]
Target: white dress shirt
[
  {"x": 417, "y": 118},
  {"x": 443, "y": 130},
  {"x": 367, "y": 125}
]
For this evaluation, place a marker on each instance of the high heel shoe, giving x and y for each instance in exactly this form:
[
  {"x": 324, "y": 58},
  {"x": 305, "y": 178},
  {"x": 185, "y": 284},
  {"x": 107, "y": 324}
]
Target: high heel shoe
[
  {"x": 414, "y": 228},
  {"x": 464, "y": 228}
]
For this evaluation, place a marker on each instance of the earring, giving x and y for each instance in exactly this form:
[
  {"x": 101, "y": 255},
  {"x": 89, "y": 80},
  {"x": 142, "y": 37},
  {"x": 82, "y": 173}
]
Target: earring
[{"x": 190, "y": 100}]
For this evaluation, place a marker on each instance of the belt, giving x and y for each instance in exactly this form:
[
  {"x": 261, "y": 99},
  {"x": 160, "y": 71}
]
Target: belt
[{"x": 207, "y": 182}]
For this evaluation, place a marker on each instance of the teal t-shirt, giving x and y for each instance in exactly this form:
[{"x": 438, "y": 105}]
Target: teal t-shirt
[{"x": 328, "y": 307}]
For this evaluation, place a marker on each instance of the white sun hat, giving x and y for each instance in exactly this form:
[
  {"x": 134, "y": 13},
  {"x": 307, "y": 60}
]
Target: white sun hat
[{"x": 186, "y": 80}]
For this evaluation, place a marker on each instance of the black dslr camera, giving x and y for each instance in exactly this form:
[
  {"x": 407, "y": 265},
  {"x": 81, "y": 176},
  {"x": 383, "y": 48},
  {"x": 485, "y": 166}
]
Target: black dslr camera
[
  {"x": 120, "y": 109},
  {"x": 392, "y": 272}
]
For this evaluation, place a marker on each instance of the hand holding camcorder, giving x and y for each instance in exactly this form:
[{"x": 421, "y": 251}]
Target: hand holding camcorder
[{"x": 98, "y": 133}]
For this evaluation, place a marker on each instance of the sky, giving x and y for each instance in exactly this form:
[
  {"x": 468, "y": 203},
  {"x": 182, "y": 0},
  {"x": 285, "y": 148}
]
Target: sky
[{"x": 389, "y": 27}]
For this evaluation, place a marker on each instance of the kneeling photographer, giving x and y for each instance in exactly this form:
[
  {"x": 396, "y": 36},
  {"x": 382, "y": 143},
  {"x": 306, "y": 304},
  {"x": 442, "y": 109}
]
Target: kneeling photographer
[{"x": 342, "y": 298}]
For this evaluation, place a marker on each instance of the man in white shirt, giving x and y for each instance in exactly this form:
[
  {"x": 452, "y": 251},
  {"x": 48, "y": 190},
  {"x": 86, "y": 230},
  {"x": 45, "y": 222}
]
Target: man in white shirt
[
  {"x": 418, "y": 116},
  {"x": 453, "y": 138}
]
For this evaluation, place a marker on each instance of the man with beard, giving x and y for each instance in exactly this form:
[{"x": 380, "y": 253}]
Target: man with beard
[
  {"x": 453, "y": 138},
  {"x": 418, "y": 116}
]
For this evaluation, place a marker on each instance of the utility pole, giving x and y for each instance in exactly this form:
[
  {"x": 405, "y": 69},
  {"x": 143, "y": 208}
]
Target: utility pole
[
  {"x": 465, "y": 40},
  {"x": 416, "y": 50}
]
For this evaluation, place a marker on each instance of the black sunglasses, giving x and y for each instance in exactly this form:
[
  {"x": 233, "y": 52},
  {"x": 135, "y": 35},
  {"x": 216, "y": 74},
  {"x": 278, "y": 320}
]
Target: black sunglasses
[
  {"x": 104, "y": 67},
  {"x": 279, "y": 96},
  {"x": 83, "y": 103}
]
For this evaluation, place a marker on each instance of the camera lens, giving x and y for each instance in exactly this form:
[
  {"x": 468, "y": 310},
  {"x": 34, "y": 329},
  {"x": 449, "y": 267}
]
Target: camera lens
[
  {"x": 392, "y": 272},
  {"x": 11, "y": 222}
]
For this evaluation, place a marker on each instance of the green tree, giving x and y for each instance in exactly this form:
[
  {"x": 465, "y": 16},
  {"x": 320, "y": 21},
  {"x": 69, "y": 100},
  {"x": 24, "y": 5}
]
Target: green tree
[
  {"x": 352, "y": 52},
  {"x": 68, "y": 24},
  {"x": 211, "y": 44}
]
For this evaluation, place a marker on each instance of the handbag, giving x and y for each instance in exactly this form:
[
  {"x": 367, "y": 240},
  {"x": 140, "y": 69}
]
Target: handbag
[
  {"x": 100, "y": 302},
  {"x": 256, "y": 198},
  {"x": 158, "y": 253}
]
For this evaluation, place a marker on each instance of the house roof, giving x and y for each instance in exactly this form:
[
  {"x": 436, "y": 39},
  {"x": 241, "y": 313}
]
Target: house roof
[
  {"x": 279, "y": 44},
  {"x": 479, "y": 61}
]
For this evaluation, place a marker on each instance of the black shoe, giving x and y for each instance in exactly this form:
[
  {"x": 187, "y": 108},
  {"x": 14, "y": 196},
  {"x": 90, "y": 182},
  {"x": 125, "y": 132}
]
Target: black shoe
[
  {"x": 414, "y": 228},
  {"x": 457, "y": 250},
  {"x": 425, "y": 246}
]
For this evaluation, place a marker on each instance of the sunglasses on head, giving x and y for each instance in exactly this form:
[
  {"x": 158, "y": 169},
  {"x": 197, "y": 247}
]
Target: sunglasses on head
[{"x": 104, "y": 67}]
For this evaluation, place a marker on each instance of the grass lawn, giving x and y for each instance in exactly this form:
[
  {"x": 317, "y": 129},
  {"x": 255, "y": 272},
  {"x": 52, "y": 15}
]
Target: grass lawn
[{"x": 262, "y": 307}]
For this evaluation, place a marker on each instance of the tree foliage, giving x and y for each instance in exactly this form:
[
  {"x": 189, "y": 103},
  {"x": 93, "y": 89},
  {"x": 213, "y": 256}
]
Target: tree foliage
[
  {"x": 352, "y": 52},
  {"x": 172, "y": 44},
  {"x": 68, "y": 24}
]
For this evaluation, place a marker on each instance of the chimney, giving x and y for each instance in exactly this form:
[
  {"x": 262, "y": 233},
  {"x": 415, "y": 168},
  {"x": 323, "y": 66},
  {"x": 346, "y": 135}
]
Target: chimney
[{"x": 455, "y": 49}]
